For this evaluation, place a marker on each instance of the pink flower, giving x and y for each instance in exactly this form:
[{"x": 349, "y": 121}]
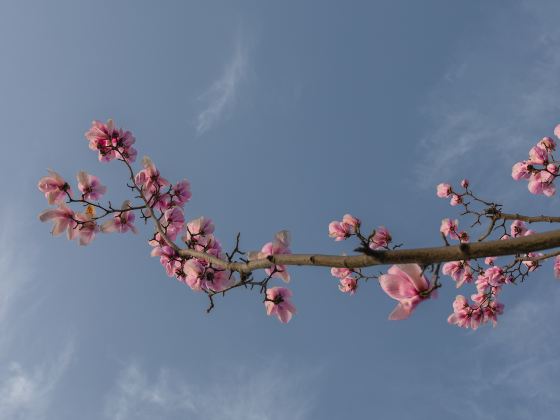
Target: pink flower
[
  {"x": 465, "y": 183},
  {"x": 456, "y": 200},
  {"x": 449, "y": 228},
  {"x": 493, "y": 276},
  {"x": 492, "y": 310},
  {"x": 199, "y": 275},
  {"x": 443, "y": 190},
  {"x": 381, "y": 239},
  {"x": 538, "y": 156},
  {"x": 557, "y": 267},
  {"x": 54, "y": 187},
  {"x": 150, "y": 179},
  {"x": 557, "y": 131},
  {"x": 461, "y": 312},
  {"x": 521, "y": 170},
  {"x": 121, "y": 222},
  {"x": 87, "y": 227},
  {"x": 542, "y": 183},
  {"x": 552, "y": 168},
  {"x": 111, "y": 142},
  {"x": 406, "y": 284},
  {"x": 518, "y": 228},
  {"x": 463, "y": 237},
  {"x": 351, "y": 220},
  {"x": 181, "y": 192},
  {"x": 199, "y": 227},
  {"x": 547, "y": 143},
  {"x": 490, "y": 260},
  {"x": 348, "y": 285},
  {"x": 278, "y": 303},
  {"x": 90, "y": 187},
  {"x": 340, "y": 230},
  {"x": 279, "y": 246},
  {"x": 459, "y": 271},
  {"x": 175, "y": 221},
  {"x": 63, "y": 220}
]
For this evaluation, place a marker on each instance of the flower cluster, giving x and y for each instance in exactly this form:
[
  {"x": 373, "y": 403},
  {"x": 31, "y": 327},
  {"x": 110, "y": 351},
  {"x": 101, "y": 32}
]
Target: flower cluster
[
  {"x": 348, "y": 283},
  {"x": 111, "y": 142},
  {"x": 540, "y": 169}
]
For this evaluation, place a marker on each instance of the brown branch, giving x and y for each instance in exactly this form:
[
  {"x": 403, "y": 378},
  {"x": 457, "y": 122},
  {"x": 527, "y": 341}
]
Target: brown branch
[{"x": 423, "y": 256}]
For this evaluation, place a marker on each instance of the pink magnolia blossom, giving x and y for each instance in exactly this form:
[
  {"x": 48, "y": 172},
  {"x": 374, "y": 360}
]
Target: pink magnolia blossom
[
  {"x": 465, "y": 183},
  {"x": 547, "y": 143},
  {"x": 463, "y": 237},
  {"x": 492, "y": 310},
  {"x": 340, "y": 230},
  {"x": 456, "y": 200},
  {"x": 443, "y": 190},
  {"x": 175, "y": 220},
  {"x": 351, "y": 220},
  {"x": 199, "y": 227},
  {"x": 538, "y": 156},
  {"x": 542, "y": 183},
  {"x": 63, "y": 220},
  {"x": 406, "y": 284},
  {"x": 201, "y": 276},
  {"x": 493, "y": 276},
  {"x": 459, "y": 271},
  {"x": 110, "y": 141},
  {"x": 280, "y": 245},
  {"x": 490, "y": 260},
  {"x": 461, "y": 312},
  {"x": 348, "y": 285},
  {"x": 449, "y": 228},
  {"x": 90, "y": 187},
  {"x": 87, "y": 228},
  {"x": 54, "y": 187},
  {"x": 150, "y": 179},
  {"x": 121, "y": 222},
  {"x": 182, "y": 192},
  {"x": 167, "y": 256},
  {"x": 521, "y": 170},
  {"x": 518, "y": 228},
  {"x": 552, "y": 168},
  {"x": 278, "y": 303},
  {"x": 381, "y": 239}
]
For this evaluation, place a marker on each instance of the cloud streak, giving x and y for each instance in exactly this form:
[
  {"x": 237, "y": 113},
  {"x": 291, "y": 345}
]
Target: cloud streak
[
  {"x": 223, "y": 92},
  {"x": 273, "y": 393}
]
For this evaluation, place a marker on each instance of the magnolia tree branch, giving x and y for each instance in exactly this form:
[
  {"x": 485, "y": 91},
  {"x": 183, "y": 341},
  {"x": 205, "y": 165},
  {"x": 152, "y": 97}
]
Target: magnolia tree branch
[{"x": 203, "y": 266}]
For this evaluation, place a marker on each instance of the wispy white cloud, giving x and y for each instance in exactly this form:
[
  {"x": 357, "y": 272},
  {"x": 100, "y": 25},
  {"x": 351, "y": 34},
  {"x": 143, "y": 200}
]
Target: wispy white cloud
[
  {"x": 496, "y": 97},
  {"x": 274, "y": 393},
  {"x": 223, "y": 92},
  {"x": 27, "y": 393}
]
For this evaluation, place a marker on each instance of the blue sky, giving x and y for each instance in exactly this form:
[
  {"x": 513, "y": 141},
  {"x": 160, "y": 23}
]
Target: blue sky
[{"x": 283, "y": 115}]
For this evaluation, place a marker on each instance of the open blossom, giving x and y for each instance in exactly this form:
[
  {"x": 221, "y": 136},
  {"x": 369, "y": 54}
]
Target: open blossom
[
  {"x": 150, "y": 179},
  {"x": 278, "y": 303},
  {"x": 198, "y": 227},
  {"x": 459, "y": 271},
  {"x": 547, "y": 143},
  {"x": 280, "y": 245},
  {"x": 121, "y": 222},
  {"x": 348, "y": 285},
  {"x": 461, "y": 312},
  {"x": 538, "y": 156},
  {"x": 456, "y": 200},
  {"x": 175, "y": 221},
  {"x": 532, "y": 265},
  {"x": 518, "y": 228},
  {"x": 63, "y": 220},
  {"x": 87, "y": 226},
  {"x": 542, "y": 183},
  {"x": 54, "y": 187},
  {"x": 342, "y": 230},
  {"x": 443, "y": 190},
  {"x": 111, "y": 142},
  {"x": 181, "y": 192},
  {"x": 449, "y": 228},
  {"x": 351, "y": 220},
  {"x": 381, "y": 239},
  {"x": 199, "y": 275},
  {"x": 521, "y": 170},
  {"x": 406, "y": 284},
  {"x": 89, "y": 186}
]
